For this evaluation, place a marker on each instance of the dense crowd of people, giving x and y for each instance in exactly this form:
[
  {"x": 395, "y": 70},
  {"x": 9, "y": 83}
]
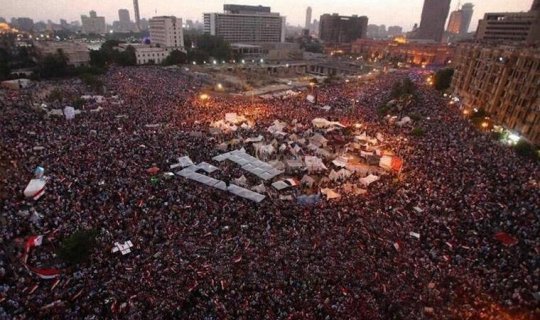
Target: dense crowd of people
[{"x": 200, "y": 253}]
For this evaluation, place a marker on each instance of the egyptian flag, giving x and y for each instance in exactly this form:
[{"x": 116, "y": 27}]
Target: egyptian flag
[
  {"x": 45, "y": 273},
  {"x": 32, "y": 241}
]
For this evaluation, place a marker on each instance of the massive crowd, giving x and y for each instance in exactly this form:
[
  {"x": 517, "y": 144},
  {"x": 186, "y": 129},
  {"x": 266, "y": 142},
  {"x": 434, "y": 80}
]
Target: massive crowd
[{"x": 200, "y": 253}]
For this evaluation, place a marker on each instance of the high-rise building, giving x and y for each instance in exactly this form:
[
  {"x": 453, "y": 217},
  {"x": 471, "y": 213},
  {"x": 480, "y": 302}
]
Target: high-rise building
[
  {"x": 334, "y": 28},
  {"x": 167, "y": 32},
  {"x": 137, "y": 14},
  {"x": 535, "y": 6},
  {"x": 308, "y": 18},
  {"x": 503, "y": 80},
  {"x": 93, "y": 24},
  {"x": 454, "y": 23},
  {"x": 460, "y": 20},
  {"x": 23, "y": 24},
  {"x": 395, "y": 31},
  {"x": 433, "y": 20},
  {"x": 124, "y": 22},
  {"x": 123, "y": 16},
  {"x": 466, "y": 17},
  {"x": 246, "y": 24},
  {"x": 510, "y": 26}
]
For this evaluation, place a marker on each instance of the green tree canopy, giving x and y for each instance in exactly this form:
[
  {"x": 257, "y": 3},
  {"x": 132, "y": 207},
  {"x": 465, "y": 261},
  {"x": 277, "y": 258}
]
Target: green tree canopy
[
  {"x": 77, "y": 247},
  {"x": 175, "y": 57},
  {"x": 443, "y": 79}
]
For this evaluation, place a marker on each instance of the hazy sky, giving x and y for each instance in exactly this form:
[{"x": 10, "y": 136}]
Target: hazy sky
[{"x": 389, "y": 12}]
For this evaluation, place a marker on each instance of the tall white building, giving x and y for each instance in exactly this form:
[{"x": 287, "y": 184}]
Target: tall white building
[
  {"x": 246, "y": 24},
  {"x": 308, "y": 18},
  {"x": 167, "y": 32}
]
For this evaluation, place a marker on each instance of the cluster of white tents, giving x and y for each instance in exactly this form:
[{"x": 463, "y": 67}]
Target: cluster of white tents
[
  {"x": 231, "y": 123},
  {"x": 250, "y": 164},
  {"x": 189, "y": 171}
]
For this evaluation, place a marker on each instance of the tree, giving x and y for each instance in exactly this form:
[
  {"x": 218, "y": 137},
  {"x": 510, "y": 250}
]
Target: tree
[
  {"x": 127, "y": 57},
  {"x": 443, "y": 79},
  {"x": 78, "y": 247},
  {"x": 418, "y": 132},
  {"x": 54, "y": 65},
  {"x": 175, "y": 57},
  {"x": 203, "y": 46},
  {"x": 92, "y": 81},
  {"x": 5, "y": 69},
  {"x": 525, "y": 149}
]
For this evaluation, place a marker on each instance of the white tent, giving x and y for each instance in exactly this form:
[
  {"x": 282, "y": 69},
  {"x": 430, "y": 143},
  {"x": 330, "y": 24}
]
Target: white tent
[
  {"x": 295, "y": 164},
  {"x": 69, "y": 113},
  {"x": 207, "y": 167},
  {"x": 185, "y": 161},
  {"x": 307, "y": 180},
  {"x": 279, "y": 165},
  {"x": 259, "y": 189},
  {"x": 280, "y": 185},
  {"x": 314, "y": 164},
  {"x": 318, "y": 140},
  {"x": 324, "y": 123},
  {"x": 344, "y": 173},
  {"x": 246, "y": 194},
  {"x": 330, "y": 194},
  {"x": 234, "y": 118},
  {"x": 257, "y": 139},
  {"x": 403, "y": 121},
  {"x": 242, "y": 181},
  {"x": 369, "y": 180},
  {"x": 340, "y": 162},
  {"x": 277, "y": 128}
]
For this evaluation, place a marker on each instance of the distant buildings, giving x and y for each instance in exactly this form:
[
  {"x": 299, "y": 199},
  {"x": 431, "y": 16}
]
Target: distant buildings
[
  {"x": 77, "y": 53},
  {"x": 147, "y": 54},
  {"x": 166, "y": 31},
  {"x": 23, "y": 24},
  {"x": 504, "y": 81},
  {"x": 376, "y": 32},
  {"x": 137, "y": 15},
  {"x": 124, "y": 23},
  {"x": 426, "y": 54},
  {"x": 434, "y": 16},
  {"x": 308, "y": 18},
  {"x": 336, "y": 29},
  {"x": 460, "y": 20},
  {"x": 93, "y": 24},
  {"x": 511, "y": 26},
  {"x": 246, "y": 24},
  {"x": 394, "y": 31}
]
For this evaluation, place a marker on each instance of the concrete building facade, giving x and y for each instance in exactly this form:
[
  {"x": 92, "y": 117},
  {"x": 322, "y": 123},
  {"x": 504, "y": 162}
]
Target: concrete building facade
[
  {"x": 246, "y": 24},
  {"x": 93, "y": 24},
  {"x": 167, "y": 32},
  {"x": 334, "y": 28},
  {"x": 504, "y": 81},
  {"x": 137, "y": 14},
  {"x": 77, "y": 53},
  {"x": 510, "y": 27},
  {"x": 308, "y": 18}
]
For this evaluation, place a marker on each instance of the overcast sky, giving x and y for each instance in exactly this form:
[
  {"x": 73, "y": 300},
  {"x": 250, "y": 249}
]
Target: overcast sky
[{"x": 389, "y": 12}]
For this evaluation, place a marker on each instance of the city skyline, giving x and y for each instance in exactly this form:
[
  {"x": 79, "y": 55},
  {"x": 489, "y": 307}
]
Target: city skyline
[{"x": 387, "y": 12}]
